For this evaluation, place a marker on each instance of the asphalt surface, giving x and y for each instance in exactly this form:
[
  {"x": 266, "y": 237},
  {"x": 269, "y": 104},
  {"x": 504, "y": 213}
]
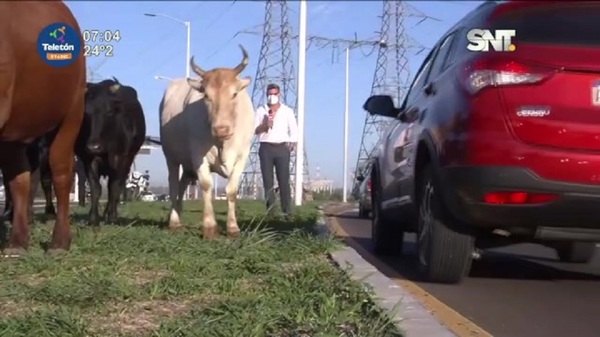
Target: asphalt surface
[{"x": 514, "y": 291}]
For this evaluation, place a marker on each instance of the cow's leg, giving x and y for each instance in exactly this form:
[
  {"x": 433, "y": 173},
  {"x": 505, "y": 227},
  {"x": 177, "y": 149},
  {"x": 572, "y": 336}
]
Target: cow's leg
[
  {"x": 46, "y": 180},
  {"x": 184, "y": 182},
  {"x": 96, "y": 191},
  {"x": 33, "y": 187},
  {"x": 209, "y": 224},
  {"x": 81, "y": 179},
  {"x": 40, "y": 154},
  {"x": 16, "y": 172},
  {"x": 174, "y": 221},
  {"x": 231, "y": 191},
  {"x": 114, "y": 189},
  {"x": 62, "y": 160},
  {"x": 123, "y": 192}
]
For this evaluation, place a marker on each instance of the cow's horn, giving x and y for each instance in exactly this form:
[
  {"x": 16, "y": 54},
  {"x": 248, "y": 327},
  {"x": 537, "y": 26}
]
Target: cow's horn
[
  {"x": 113, "y": 88},
  {"x": 196, "y": 68},
  {"x": 115, "y": 79},
  {"x": 240, "y": 67}
]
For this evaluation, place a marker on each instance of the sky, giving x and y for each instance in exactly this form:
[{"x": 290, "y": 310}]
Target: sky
[{"x": 156, "y": 46}]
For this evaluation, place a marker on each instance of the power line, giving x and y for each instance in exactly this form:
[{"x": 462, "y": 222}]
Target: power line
[{"x": 220, "y": 16}]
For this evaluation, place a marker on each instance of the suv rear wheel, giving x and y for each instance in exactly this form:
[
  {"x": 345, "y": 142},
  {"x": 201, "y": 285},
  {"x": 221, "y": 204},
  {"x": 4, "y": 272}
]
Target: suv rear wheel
[
  {"x": 387, "y": 238},
  {"x": 444, "y": 255},
  {"x": 576, "y": 252}
]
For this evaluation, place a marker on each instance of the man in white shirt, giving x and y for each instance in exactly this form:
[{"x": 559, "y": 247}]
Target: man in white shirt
[{"x": 277, "y": 132}]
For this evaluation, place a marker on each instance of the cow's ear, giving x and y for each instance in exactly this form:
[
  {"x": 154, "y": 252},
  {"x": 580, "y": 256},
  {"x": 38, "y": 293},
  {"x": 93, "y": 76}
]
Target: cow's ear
[
  {"x": 195, "y": 83},
  {"x": 244, "y": 83}
]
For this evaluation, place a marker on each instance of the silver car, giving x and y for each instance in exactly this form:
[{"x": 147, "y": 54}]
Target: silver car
[{"x": 364, "y": 197}]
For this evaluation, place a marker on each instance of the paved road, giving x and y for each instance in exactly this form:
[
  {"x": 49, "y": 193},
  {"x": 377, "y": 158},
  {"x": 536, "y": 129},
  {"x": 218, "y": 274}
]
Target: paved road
[{"x": 516, "y": 291}]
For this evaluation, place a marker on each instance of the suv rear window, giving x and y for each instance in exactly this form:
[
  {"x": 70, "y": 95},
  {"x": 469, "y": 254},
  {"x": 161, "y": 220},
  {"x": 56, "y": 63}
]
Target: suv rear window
[{"x": 554, "y": 24}]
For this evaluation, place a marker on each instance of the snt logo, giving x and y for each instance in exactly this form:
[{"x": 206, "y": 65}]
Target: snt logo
[
  {"x": 59, "y": 44},
  {"x": 481, "y": 39}
]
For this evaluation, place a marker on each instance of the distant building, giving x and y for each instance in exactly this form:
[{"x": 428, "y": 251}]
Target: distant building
[{"x": 320, "y": 185}]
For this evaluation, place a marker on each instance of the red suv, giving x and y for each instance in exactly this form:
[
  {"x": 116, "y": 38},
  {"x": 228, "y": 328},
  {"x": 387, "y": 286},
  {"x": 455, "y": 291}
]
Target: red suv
[{"x": 499, "y": 146}]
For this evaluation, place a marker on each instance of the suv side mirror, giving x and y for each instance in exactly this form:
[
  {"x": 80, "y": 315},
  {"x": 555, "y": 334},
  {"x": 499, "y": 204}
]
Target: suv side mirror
[{"x": 381, "y": 105}]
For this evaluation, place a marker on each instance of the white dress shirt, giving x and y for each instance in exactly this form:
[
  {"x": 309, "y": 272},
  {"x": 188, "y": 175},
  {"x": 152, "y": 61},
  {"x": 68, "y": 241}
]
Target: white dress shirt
[{"x": 285, "y": 128}]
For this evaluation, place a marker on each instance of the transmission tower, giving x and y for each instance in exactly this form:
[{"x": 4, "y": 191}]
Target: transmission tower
[
  {"x": 275, "y": 65},
  {"x": 93, "y": 76},
  {"x": 391, "y": 76}
]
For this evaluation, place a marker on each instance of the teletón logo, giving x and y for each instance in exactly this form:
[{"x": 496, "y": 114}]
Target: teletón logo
[{"x": 59, "y": 44}]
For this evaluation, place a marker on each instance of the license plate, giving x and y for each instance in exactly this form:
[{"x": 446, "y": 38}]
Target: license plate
[{"x": 596, "y": 93}]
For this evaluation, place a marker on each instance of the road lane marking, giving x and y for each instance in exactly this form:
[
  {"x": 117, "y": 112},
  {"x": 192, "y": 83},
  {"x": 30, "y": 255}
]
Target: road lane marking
[{"x": 457, "y": 323}]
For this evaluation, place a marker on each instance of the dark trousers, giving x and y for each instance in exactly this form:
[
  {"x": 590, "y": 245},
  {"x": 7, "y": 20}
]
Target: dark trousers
[{"x": 276, "y": 156}]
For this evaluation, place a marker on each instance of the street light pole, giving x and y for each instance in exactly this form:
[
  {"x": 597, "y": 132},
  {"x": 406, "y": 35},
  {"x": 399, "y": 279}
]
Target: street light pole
[
  {"x": 159, "y": 77},
  {"x": 188, "y": 26},
  {"x": 346, "y": 113},
  {"x": 301, "y": 97}
]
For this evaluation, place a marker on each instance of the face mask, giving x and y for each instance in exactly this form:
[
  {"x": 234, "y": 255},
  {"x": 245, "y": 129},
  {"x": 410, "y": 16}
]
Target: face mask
[{"x": 272, "y": 99}]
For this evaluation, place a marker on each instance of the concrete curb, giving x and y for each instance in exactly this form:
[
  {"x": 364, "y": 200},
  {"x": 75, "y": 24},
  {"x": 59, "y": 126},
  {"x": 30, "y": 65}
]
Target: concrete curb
[{"x": 407, "y": 313}]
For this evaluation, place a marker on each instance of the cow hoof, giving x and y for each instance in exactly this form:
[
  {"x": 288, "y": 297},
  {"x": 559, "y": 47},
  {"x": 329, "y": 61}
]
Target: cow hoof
[
  {"x": 209, "y": 233},
  {"x": 175, "y": 228},
  {"x": 233, "y": 232},
  {"x": 56, "y": 251},
  {"x": 13, "y": 252}
]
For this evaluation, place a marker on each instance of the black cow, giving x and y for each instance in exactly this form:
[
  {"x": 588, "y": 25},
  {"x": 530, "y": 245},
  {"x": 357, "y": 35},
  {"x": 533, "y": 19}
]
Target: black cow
[
  {"x": 112, "y": 132},
  {"x": 111, "y": 135},
  {"x": 37, "y": 155}
]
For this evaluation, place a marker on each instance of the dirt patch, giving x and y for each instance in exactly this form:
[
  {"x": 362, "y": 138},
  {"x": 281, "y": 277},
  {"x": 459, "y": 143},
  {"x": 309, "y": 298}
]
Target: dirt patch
[
  {"x": 143, "y": 277},
  {"x": 10, "y": 308},
  {"x": 137, "y": 318},
  {"x": 32, "y": 280}
]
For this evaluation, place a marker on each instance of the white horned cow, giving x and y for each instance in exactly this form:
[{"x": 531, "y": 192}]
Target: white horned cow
[{"x": 207, "y": 125}]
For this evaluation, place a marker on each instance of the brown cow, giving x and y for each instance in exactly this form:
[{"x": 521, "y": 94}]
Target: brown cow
[{"x": 35, "y": 98}]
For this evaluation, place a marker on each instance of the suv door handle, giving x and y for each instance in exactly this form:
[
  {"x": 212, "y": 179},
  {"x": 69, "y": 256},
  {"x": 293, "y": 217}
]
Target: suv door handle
[{"x": 429, "y": 89}]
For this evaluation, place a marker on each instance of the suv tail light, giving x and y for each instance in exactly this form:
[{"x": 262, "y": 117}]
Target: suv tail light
[
  {"x": 518, "y": 198},
  {"x": 369, "y": 185},
  {"x": 489, "y": 71}
]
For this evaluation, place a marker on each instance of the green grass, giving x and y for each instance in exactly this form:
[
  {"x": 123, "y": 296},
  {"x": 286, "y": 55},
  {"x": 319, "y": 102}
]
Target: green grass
[{"x": 135, "y": 279}]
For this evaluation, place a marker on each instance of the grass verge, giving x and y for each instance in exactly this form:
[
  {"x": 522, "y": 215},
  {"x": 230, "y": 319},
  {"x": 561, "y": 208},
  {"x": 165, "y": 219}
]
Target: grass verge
[{"x": 135, "y": 279}]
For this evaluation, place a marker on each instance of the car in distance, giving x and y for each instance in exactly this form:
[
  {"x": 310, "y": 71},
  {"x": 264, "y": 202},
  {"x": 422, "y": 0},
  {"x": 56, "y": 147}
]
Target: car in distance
[
  {"x": 364, "y": 195},
  {"x": 148, "y": 196},
  {"x": 497, "y": 147}
]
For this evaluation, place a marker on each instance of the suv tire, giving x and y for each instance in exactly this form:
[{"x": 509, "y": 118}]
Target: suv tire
[
  {"x": 576, "y": 252},
  {"x": 387, "y": 238},
  {"x": 444, "y": 255}
]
